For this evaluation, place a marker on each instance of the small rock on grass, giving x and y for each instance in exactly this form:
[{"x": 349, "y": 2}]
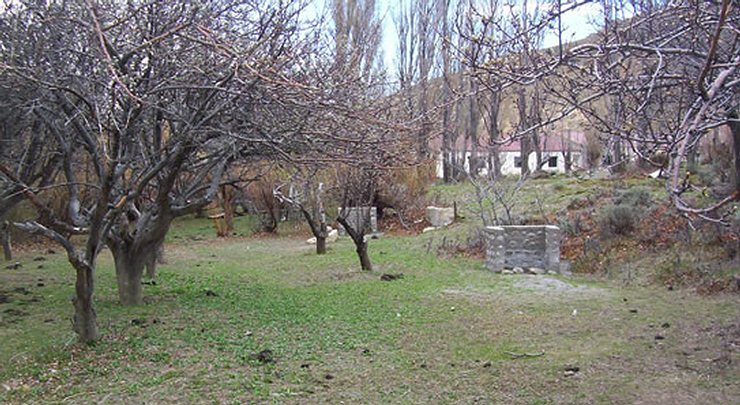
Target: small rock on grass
[
  {"x": 264, "y": 357},
  {"x": 536, "y": 271},
  {"x": 571, "y": 370}
]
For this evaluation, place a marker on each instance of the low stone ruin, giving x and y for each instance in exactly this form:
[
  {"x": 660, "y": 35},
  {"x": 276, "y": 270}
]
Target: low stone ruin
[
  {"x": 532, "y": 249},
  {"x": 440, "y": 217}
]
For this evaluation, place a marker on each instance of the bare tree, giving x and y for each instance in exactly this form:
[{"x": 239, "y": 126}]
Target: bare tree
[
  {"x": 358, "y": 186},
  {"x": 142, "y": 95},
  {"x": 307, "y": 193},
  {"x": 667, "y": 75}
]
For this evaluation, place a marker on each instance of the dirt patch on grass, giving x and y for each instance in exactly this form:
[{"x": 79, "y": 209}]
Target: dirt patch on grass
[
  {"x": 553, "y": 286},
  {"x": 473, "y": 294}
]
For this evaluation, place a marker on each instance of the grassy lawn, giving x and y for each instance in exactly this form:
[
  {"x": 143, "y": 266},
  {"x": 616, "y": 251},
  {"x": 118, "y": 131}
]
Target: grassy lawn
[{"x": 448, "y": 332}]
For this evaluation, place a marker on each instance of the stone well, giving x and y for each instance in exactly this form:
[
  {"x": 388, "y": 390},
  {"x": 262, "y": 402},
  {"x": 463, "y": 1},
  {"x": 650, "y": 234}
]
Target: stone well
[{"x": 523, "y": 246}]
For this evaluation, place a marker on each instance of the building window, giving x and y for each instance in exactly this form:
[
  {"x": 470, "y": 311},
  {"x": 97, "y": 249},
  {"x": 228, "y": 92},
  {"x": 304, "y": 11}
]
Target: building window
[
  {"x": 552, "y": 161},
  {"x": 517, "y": 161}
]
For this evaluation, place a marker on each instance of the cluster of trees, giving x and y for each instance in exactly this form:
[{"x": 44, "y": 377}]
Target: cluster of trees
[
  {"x": 118, "y": 117},
  {"x": 653, "y": 79}
]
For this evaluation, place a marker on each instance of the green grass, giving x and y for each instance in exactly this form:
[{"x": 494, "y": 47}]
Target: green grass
[{"x": 439, "y": 335}]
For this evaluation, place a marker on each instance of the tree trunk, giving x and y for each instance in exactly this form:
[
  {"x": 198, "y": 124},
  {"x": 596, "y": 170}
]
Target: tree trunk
[
  {"x": 735, "y": 128},
  {"x": 524, "y": 152},
  {"x": 85, "y": 319},
  {"x": 365, "y": 263},
  {"x": 228, "y": 203},
  {"x": 151, "y": 266},
  {"x": 617, "y": 165},
  {"x": 320, "y": 245},
  {"x": 495, "y": 163},
  {"x": 524, "y": 142},
  {"x": 472, "y": 128},
  {"x": 5, "y": 239},
  {"x": 537, "y": 151},
  {"x": 358, "y": 237},
  {"x": 129, "y": 271},
  {"x": 157, "y": 257},
  {"x": 160, "y": 254}
]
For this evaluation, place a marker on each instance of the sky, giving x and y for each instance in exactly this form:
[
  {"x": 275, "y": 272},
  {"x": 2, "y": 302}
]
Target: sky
[{"x": 577, "y": 24}]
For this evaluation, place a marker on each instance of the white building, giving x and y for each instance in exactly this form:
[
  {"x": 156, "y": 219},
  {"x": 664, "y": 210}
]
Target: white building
[{"x": 556, "y": 148}]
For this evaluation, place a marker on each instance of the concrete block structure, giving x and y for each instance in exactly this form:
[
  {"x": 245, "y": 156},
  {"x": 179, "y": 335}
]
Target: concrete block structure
[{"x": 526, "y": 246}]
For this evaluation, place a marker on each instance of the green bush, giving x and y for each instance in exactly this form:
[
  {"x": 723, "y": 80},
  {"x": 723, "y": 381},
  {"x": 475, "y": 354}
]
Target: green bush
[
  {"x": 618, "y": 219},
  {"x": 634, "y": 197}
]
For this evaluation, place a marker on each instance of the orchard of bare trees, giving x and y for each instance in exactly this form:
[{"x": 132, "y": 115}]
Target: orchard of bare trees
[{"x": 119, "y": 117}]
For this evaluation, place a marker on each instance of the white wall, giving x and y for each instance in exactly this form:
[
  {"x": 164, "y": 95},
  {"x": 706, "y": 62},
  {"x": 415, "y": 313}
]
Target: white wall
[
  {"x": 466, "y": 163},
  {"x": 508, "y": 167},
  {"x": 507, "y": 162}
]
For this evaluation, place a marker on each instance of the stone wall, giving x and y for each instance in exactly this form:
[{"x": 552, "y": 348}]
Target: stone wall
[
  {"x": 355, "y": 216},
  {"x": 526, "y": 246}
]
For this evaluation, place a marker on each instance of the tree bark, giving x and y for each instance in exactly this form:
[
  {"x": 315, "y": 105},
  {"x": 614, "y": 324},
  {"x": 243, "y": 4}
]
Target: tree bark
[
  {"x": 5, "y": 239},
  {"x": 320, "y": 245},
  {"x": 151, "y": 267},
  {"x": 473, "y": 120},
  {"x": 365, "y": 263},
  {"x": 85, "y": 319},
  {"x": 525, "y": 141},
  {"x": 157, "y": 257},
  {"x": 735, "y": 129},
  {"x": 129, "y": 272},
  {"x": 228, "y": 203},
  {"x": 447, "y": 146}
]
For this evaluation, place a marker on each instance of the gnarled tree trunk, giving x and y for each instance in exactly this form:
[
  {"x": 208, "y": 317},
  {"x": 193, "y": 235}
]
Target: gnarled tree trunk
[
  {"x": 129, "y": 271},
  {"x": 85, "y": 319}
]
